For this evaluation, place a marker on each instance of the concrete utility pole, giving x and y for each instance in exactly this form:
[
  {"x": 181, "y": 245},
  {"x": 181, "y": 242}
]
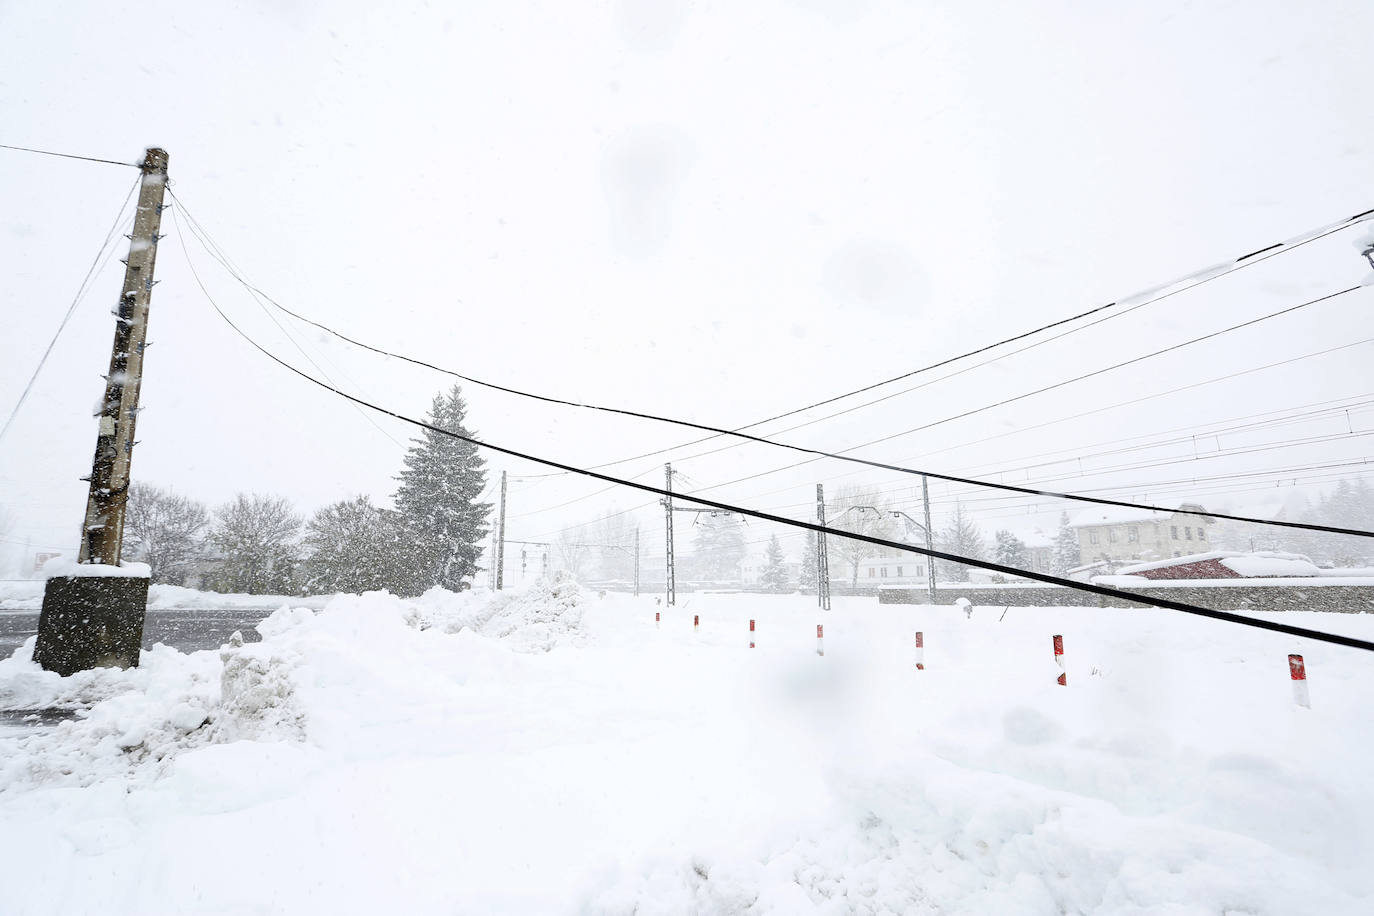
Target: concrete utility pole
[
  {"x": 90, "y": 621},
  {"x": 501, "y": 539},
  {"x": 636, "y": 561},
  {"x": 669, "y": 578},
  {"x": 930, "y": 539},
  {"x": 822, "y": 554},
  {"x": 102, "y": 536}
]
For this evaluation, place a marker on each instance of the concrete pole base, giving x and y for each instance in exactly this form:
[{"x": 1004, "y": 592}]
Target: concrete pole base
[{"x": 91, "y": 622}]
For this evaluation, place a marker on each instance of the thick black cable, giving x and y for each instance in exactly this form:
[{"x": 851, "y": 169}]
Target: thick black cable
[
  {"x": 44, "y": 152},
  {"x": 1147, "y": 297},
  {"x": 1168, "y": 604},
  {"x": 841, "y": 456}
]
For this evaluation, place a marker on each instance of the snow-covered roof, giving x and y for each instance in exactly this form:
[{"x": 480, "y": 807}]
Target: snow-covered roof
[
  {"x": 1125, "y": 515},
  {"x": 1247, "y": 565}
]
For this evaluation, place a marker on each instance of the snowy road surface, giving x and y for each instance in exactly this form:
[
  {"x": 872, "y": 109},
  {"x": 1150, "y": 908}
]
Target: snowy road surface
[
  {"x": 556, "y": 754},
  {"x": 187, "y": 630}
]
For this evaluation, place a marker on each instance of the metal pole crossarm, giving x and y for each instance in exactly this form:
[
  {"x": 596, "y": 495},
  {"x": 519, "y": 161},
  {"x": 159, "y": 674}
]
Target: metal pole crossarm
[{"x": 102, "y": 534}]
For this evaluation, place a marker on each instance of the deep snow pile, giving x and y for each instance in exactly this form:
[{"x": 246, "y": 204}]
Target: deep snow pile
[
  {"x": 386, "y": 756},
  {"x": 537, "y": 618}
]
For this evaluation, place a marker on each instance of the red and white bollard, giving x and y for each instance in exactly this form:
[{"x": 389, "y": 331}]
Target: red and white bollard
[
  {"x": 658, "y": 620},
  {"x": 920, "y": 651},
  {"x": 751, "y": 634},
  {"x": 696, "y": 623},
  {"x": 1297, "y": 672},
  {"x": 1059, "y": 660},
  {"x": 820, "y": 639}
]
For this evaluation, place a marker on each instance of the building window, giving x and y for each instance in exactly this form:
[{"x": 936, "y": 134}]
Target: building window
[
  {"x": 1133, "y": 534},
  {"x": 1187, "y": 533},
  {"x": 1111, "y": 536},
  {"x": 899, "y": 572},
  {"x": 1202, "y": 534},
  {"x": 1173, "y": 530},
  {"x": 1092, "y": 537},
  {"x": 884, "y": 572},
  {"x": 872, "y": 572}
]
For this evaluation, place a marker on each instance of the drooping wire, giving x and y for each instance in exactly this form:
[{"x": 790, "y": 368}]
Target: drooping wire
[
  {"x": 1207, "y": 275},
  {"x": 44, "y": 152},
  {"x": 76, "y": 300},
  {"x": 285, "y": 333},
  {"x": 1125, "y": 306},
  {"x": 1105, "y": 591}
]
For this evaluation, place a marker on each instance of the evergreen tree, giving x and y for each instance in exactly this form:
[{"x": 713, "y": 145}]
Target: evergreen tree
[
  {"x": 1010, "y": 550},
  {"x": 718, "y": 547},
  {"x": 810, "y": 565},
  {"x": 350, "y": 546},
  {"x": 962, "y": 538},
  {"x": 774, "y": 578},
  {"x": 255, "y": 537},
  {"x": 442, "y": 521},
  {"x": 1066, "y": 552}
]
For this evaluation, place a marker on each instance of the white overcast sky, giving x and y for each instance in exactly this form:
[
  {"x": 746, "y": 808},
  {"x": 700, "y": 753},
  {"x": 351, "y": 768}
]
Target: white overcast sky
[{"x": 718, "y": 211}]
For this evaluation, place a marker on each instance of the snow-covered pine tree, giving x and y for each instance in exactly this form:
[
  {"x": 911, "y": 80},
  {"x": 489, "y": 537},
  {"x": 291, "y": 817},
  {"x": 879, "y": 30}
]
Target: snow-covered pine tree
[
  {"x": 774, "y": 577},
  {"x": 1010, "y": 550},
  {"x": 1067, "y": 555},
  {"x": 962, "y": 538},
  {"x": 810, "y": 564},
  {"x": 718, "y": 547},
  {"x": 437, "y": 503}
]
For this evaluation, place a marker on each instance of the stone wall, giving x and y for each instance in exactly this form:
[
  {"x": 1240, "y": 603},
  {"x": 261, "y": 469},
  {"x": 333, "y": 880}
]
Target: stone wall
[{"x": 1349, "y": 599}]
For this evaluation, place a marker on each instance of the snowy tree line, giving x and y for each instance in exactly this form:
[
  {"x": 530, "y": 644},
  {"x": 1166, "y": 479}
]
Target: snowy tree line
[{"x": 259, "y": 544}]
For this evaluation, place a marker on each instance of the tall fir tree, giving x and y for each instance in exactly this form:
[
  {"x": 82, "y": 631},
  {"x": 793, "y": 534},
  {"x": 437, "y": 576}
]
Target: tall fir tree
[
  {"x": 1010, "y": 550},
  {"x": 718, "y": 547},
  {"x": 774, "y": 577},
  {"x": 810, "y": 564},
  {"x": 1067, "y": 554},
  {"x": 962, "y": 538},
  {"x": 437, "y": 503}
]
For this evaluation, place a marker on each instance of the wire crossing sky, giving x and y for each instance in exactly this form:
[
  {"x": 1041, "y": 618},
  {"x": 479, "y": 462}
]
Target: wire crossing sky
[{"x": 758, "y": 209}]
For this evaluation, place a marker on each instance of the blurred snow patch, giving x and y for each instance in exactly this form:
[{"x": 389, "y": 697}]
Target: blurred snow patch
[
  {"x": 650, "y": 25},
  {"x": 641, "y": 173},
  {"x": 879, "y": 274}
]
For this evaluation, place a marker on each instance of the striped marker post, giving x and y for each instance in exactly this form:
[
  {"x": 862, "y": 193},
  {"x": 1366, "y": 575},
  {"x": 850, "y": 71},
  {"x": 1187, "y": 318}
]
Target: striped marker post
[
  {"x": 1059, "y": 660},
  {"x": 1297, "y": 672},
  {"x": 658, "y": 620},
  {"x": 820, "y": 639},
  {"x": 751, "y": 633},
  {"x": 696, "y": 623},
  {"x": 920, "y": 651}
]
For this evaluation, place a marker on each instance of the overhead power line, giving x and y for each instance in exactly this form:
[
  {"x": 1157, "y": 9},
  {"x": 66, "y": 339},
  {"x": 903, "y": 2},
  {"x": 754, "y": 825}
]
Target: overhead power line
[
  {"x": 1211, "y": 273},
  {"x": 1022, "y": 429},
  {"x": 44, "y": 152},
  {"x": 76, "y": 300},
  {"x": 1125, "y": 306},
  {"x": 1169, "y": 604}
]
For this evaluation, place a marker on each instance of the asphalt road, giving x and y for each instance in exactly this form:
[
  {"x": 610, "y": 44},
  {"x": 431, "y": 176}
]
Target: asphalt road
[{"x": 187, "y": 630}]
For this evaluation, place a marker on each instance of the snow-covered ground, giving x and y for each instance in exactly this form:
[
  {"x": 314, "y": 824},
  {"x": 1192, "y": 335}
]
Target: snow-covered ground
[{"x": 555, "y": 752}]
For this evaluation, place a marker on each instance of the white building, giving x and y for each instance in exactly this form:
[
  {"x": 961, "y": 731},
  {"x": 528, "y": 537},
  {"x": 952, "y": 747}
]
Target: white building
[{"x": 1120, "y": 533}]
